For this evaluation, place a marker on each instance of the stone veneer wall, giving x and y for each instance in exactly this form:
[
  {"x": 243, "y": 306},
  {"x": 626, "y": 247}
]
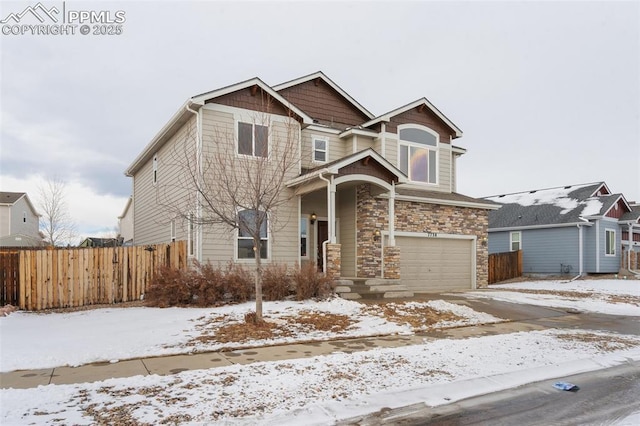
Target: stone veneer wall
[
  {"x": 392, "y": 263},
  {"x": 334, "y": 265},
  {"x": 416, "y": 217},
  {"x": 371, "y": 214}
]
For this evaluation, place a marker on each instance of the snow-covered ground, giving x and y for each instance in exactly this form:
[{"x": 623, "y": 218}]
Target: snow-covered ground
[
  {"x": 316, "y": 390},
  {"x": 614, "y": 297}
]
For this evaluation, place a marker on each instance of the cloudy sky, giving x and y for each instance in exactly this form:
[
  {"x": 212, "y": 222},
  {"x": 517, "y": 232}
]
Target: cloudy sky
[{"x": 546, "y": 93}]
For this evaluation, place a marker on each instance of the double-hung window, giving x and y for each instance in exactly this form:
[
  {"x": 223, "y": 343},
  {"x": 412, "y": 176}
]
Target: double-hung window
[
  {"x": 320, "y": 150},
  {"x": 418, "y": 156},
  {"x": 155, "y": 169},
  {"x": 610, "y": 242},
  {"x": 515, "y": 240},
  {"x": 253, "y": 139},
  {"x": 247, "y": 221}
]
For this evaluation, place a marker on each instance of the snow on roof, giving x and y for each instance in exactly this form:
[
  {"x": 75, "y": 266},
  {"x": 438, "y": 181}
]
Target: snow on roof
[{"x": 553, "y": 196}]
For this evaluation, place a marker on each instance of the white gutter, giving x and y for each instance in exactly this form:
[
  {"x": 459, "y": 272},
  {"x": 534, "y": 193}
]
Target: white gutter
[
  {"x": 597, "y": 246},
  {"x": 198, "y": 245},
  {"x": 445, "y": 202},
  {"x": 558, "y": 225},
  {"x": 580, "y": 249}
]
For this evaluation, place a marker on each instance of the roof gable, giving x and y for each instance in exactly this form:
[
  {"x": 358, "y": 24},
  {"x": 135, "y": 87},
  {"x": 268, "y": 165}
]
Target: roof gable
[
  {"x": 10, "y": 198},
  {"x": 324, "y": 100},
  {"x": 421, "y": 105}
]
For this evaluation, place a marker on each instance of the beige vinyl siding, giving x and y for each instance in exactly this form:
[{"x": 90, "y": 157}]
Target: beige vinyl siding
[
  {"x": 219, "y": 242},
  {"x": 347, "y": 215},
  {"x": 336, "y": 146},
  {"x": 391, "y": 150},
  {"x": 5, "y": 220},
  {"x": 152, "y": 222}
]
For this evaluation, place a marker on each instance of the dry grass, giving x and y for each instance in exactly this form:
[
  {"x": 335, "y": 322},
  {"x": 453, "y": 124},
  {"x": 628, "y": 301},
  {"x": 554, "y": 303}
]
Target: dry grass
[
  {"x": 416, "y": 315},
  {"x": 606, "y": 343}
]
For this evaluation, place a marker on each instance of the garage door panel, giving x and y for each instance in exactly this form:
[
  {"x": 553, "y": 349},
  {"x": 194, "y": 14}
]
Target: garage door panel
[{"x": 435, "y": 264}]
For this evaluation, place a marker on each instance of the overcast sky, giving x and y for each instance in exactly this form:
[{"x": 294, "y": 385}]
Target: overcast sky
[{"x": 546, "y": 93}]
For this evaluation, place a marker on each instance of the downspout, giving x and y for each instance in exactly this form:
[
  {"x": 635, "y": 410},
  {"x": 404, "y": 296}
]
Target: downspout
[
  {"x": 597, "y": 246},
  {"x": 198, "y": 244},
  {"x": 580, "y": 255},
  {"x": 330, "y": 220}
]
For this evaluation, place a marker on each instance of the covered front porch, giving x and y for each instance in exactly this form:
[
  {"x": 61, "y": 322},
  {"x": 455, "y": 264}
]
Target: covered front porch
[{"x": 342, "y": 227}]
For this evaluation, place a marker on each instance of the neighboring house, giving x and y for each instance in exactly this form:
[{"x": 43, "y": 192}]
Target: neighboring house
[
  {"x": 125, "y": 223},
  {"x": 100, "y": 242},
  {"x": 372, "y": 196},
  {"x": 19, "y": 221},
  {"x": 574, "y": 229}
]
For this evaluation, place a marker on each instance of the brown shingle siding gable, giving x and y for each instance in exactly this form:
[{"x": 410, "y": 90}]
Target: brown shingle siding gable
[
  {"x": 251, "y": 99},
  {"x": 323, "y": 103},
  {"x": 425, "y": 118}
]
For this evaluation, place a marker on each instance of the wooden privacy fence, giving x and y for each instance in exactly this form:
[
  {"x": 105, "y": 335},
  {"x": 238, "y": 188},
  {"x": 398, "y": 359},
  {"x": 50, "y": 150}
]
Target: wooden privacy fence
[
  {"x": 504, "y": 266},
  {"x": 59, "y": 278}
]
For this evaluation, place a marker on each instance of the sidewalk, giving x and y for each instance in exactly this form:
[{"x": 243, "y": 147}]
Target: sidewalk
[{"x": 167, "y": 365}]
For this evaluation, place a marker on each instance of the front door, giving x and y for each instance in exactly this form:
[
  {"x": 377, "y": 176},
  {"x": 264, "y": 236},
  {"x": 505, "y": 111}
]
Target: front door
[{"x": 323, "y": 235}]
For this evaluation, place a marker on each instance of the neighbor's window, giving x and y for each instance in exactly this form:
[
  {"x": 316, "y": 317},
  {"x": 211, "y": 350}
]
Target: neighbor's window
[
  {"x": 304, "y": 227},
  {"x": 247, "y": 222},
  {"x": 173, "y": 230},
  {"x": 418, "y": 154},
  {"x": 516, "y": 241},
  {"x": 320, "y": 147},
  {"x": 253, "y": 139},
  {"x": 155, "y": 169},
  {"x": 24, "y": 217},
  {"x": 610, "y": 243}
]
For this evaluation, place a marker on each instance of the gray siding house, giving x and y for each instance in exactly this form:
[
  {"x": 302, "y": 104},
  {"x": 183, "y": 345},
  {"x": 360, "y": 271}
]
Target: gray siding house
[
  {"x": 574, "y": 229},
  {"x": 370, "y": 196},
  {"x": 19, "y": 221}
]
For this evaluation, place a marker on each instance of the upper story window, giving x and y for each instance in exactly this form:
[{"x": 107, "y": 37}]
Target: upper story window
[
  {"x": 24, "y": 217},
  {"x": 253, "y": 139},
  {"x": 418, "y": 156},
  {"x": 155, "y": 169},
  {"x": 320, "y": 150}
]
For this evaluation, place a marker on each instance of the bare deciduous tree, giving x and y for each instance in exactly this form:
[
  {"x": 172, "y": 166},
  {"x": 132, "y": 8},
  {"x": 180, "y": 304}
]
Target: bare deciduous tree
[
  {"x": 56, "y": 223},
  {"x": 238, "y": 181}
]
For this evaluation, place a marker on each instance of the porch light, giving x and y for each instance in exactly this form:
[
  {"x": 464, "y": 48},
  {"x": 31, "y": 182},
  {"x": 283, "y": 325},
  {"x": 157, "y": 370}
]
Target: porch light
[
  {"x": 376, "y": 235},
  {"x": 313, "y": 218}
]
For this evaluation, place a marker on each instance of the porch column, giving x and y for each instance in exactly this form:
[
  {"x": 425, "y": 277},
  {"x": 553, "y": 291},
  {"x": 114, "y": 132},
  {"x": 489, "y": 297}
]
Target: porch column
[
  {"x": 392, "y": 215},
  {"x": 332, "y": 211}
]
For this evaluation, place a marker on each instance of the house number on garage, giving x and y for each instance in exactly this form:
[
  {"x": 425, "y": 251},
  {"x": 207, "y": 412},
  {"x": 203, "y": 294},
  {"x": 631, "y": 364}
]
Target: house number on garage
[{"x": 432, "y": 234}]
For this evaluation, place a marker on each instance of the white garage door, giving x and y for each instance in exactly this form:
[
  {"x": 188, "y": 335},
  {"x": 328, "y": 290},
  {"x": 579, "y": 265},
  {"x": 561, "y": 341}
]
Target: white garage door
[{"x": 436, "y": 264}]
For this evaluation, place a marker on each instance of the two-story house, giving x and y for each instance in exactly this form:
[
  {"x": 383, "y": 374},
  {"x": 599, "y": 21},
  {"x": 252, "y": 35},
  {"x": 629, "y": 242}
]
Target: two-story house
[
  {"x": 19, "y": 221},
  {"x": 370, "y": 196}
]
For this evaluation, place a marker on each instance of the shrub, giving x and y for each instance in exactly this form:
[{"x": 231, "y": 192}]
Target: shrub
[
  {"x": 239, "y": 283},
  {"x": 171, "y": 287},
  {"x": 312, "y": 283},
  {"x": 276, "y": 283},
  {"x": 211, "y": 285}
]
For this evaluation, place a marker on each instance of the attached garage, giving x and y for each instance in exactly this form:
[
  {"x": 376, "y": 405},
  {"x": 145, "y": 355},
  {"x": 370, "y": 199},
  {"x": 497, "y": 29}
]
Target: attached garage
[{"x": 430, "y": 264}]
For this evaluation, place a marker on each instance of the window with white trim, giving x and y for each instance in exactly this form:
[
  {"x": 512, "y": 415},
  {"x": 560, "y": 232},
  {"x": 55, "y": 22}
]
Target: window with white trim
[
  {"x": 320, "y": 150},
  {"x": 247, "y": 220},
  {"x": 173, "y": 230},
  {"x": 515, "y": 240},
  {"x": 418, "y": 154},
  {"x": 610, "y": 242},
  {"x": 253, "y": 139},
  {"x": 155, "y": 169}
]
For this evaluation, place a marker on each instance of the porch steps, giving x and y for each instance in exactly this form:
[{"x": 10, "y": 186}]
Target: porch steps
[{"x": 371, "y": 289}]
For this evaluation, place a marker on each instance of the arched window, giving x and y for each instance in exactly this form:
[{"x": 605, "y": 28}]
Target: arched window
[
  {"x": 418, "y": 154},
  {"x": 249, "y": 220}
]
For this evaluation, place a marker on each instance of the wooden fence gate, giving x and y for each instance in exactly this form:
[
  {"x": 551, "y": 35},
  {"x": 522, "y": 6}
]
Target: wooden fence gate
[
  {"x": 504, "y": 266},
  {"x": 69, "y": 277}
]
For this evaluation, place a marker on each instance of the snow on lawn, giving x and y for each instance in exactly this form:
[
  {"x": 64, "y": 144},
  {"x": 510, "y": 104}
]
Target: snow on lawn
[
  {"x": 44, "y": 340},
  {"x": 613, "y": 297},
  {"x": 323, "y": 389}
]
